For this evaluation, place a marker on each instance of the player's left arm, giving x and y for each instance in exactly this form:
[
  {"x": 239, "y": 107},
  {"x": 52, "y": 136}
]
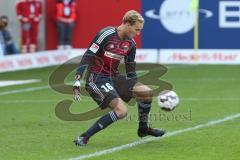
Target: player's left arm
[{"x": 131, "y": 64}]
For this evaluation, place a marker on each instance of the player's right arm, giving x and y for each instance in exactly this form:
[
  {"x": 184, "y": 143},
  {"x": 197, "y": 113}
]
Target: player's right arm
[{"x": 95, "y": 46}]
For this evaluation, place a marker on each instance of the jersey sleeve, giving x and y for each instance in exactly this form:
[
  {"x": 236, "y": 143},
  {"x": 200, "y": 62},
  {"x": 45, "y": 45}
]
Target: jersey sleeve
[
  {"x": 19, "y": 9},
  {"x": 94, "y": 48},
  {"x": 130, "y": 64}
]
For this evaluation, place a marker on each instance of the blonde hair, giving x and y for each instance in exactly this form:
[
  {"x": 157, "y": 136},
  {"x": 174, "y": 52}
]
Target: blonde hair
[{"x": 132, "y": 17}]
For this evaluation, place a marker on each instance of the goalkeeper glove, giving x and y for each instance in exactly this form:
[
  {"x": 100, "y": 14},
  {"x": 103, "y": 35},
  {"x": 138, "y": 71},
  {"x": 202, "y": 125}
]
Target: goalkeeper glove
[{"x": 76, "y": 90}]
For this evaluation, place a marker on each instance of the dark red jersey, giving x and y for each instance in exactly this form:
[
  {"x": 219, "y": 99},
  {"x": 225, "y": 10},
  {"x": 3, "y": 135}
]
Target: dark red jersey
[{"x": 108, "y": 51}]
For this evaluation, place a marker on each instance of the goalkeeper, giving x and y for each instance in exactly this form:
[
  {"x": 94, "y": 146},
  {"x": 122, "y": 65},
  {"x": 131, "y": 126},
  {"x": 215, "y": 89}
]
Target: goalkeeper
[{"x": 104, "y": 83}]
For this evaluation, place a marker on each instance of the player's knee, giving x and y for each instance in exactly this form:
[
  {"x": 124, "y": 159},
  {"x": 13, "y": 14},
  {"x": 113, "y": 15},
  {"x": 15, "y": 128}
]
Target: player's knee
[
  {"x": 148, "y": 92},
  {"x": 143, "y": 93},
  {"x": 121, "y": 111},
  {"x": 119, "y": 107}
]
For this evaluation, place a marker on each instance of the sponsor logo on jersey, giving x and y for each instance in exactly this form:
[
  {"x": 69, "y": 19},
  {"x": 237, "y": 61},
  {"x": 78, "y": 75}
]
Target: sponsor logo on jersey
[
  {"x": 94, "y": 48},
  {"x": 113, "y": 55},
  {"x": 111, "y": 46},
  {"x": 125, "y": 48}
]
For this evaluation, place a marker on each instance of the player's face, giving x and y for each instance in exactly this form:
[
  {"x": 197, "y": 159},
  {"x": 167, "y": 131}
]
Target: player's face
[{"x": 135, "y": 29}]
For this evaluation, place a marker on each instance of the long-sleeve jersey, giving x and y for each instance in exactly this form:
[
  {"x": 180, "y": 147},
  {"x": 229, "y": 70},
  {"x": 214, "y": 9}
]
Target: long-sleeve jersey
[
  {"x": 107, "y": 51},
  {"x": 29, "y": 10}
]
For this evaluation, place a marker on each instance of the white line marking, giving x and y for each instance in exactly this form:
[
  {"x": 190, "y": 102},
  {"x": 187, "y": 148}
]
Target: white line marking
[
  {"x": 206, "y": 79},
  {"x": 17, "y": 82},
  {"x": 24, "y": 90},
  {"x": 28, "y": 89},
  {"x": 36, "y": 101},
  {"x": 169, "y": 134},
  {"x": 186, "y": 66},
  {"x": 26, "y": 101},
  {"x": 211, "y": 99}
]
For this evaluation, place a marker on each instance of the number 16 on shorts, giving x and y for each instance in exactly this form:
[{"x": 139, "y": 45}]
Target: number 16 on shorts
[{"x": 107, "y": 87}]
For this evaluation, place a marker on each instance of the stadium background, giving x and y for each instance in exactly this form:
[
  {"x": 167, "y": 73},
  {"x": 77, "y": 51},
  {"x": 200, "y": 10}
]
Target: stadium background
[
  {"x": 204, "y": 126},
  {"x": 93, "y": 15}
]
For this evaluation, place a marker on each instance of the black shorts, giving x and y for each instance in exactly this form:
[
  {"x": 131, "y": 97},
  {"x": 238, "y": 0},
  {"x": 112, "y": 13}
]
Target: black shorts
[{"x": 103, "y": 89}]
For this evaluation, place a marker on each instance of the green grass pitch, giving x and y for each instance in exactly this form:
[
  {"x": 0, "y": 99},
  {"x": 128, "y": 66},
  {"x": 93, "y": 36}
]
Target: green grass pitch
[{"x": 30, "y": 130}]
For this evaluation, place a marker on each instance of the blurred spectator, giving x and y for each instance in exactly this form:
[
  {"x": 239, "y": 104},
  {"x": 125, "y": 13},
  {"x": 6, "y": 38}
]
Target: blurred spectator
[
  {"x": 66, "y": 17},
  {"x": 29, "y": 13},
  {"x": 7, "y": 43},
  {"x": 2, "y": 46}
]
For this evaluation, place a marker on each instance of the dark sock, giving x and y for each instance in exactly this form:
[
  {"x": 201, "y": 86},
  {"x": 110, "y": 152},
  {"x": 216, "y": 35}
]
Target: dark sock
[
  {"x": 102, "y": 123},
  {"x": 143, "y": 112}
]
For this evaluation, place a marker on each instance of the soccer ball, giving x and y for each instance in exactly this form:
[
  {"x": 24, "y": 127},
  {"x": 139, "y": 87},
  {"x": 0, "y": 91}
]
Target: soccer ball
[{"x": 168, "y": 100}]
